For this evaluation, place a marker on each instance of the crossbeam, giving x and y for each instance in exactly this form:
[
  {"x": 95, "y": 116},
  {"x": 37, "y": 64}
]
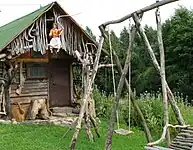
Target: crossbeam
[{"x": 140, "y": 11}]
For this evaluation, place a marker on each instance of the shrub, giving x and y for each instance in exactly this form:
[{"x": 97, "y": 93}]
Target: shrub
[{"x": 103, "y": 104}]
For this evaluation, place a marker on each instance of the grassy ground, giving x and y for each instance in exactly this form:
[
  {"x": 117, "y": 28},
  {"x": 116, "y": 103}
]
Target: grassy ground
[{"x": 47, "y": 137}]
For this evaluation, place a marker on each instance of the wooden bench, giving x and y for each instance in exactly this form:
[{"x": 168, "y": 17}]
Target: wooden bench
[{"x": 183, "y": 141}]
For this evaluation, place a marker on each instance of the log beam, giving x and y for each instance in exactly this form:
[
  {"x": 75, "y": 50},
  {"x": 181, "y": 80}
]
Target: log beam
[
  {"x": 138, "y": 12},
  {"x": 162, "y": 73}
]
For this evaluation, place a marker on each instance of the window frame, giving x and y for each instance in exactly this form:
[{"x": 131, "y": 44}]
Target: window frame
[{"x": 29, "y": 66}]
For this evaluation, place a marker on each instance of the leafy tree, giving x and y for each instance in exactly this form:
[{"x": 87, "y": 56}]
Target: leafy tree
[
  {"x": 178, "y": 41},
  {"x": 89, "y": 31}
]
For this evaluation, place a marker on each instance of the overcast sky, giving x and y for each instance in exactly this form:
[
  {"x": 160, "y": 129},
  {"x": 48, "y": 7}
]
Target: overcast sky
[{"x": 93, "y": 13}]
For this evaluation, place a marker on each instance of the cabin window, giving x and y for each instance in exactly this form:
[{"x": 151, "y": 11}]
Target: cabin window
[{"x": 36, "y": 70}]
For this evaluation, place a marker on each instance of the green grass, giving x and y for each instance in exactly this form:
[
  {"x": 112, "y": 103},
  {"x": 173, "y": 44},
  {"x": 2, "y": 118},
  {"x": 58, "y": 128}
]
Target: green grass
[{"x": 49, "y": 137}]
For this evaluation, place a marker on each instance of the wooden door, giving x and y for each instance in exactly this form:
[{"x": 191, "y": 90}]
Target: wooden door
[{"x": 59, "y": 83}]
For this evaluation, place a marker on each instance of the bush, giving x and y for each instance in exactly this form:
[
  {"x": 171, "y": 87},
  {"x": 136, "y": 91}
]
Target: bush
[{"x": 103, "y": 104}]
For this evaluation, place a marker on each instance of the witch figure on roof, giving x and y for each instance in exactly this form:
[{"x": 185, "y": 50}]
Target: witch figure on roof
[{"x": 54, "y": 34}]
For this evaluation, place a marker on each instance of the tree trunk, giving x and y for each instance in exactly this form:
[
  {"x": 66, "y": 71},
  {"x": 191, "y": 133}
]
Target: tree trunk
[
  {"x": 117, "y": 98},
  {"x": 162, "y": 73},
  {"x": 157, "y": 67},
  {"x": 133, "y": 100}
]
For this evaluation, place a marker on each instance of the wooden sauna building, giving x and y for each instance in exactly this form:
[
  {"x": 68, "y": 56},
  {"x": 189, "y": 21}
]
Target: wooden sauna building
[{"x": 40, "y": 73}]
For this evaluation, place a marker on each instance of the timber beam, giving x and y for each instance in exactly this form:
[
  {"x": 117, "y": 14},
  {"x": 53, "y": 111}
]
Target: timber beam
[{"x": 138, "y": 12}]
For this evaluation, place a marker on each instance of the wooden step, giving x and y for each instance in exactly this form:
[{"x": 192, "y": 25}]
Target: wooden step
[{"x": 61, "y": 109}]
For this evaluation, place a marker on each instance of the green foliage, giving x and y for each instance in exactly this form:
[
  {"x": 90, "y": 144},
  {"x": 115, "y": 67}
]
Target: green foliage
[
  {"x": 103, "y": 104},
  {"x": 89, "y": 31},
  {"x": 178, "y": 37}
]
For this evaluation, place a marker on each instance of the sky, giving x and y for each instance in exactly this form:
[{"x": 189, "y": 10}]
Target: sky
[{"x": 92, "y": 14}]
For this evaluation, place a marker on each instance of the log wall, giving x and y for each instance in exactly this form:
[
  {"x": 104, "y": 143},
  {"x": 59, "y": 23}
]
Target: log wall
[{"x": 33, "y": 89}]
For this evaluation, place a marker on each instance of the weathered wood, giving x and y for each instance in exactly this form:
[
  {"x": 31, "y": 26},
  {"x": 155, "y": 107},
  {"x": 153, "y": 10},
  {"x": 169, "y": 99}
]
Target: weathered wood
[
  {"x": 36, "y": 81},
  {"x": 140, "y": 11},
  {"x": 71, "y": 83},
  {"x": 118, "y": 94},
  {"x": 157, "y": 148},
  {"x": 177, "y": 142},
  {"x": 165, "y": 134},
  {"x": 184, "y": 140},
  {"x": 2, "y": 56},
  {"x": 10, "y": 73},
  {"x": 25, "y": 91},
  {"x": 26, "y": 100},
  {"x": 7, "y": 102},
  {"x": 41, "y": 60},
  {"x": 187, "y": 131},
  {"x": 174, "y": 147},
  {"x": 186, "y": 135},
  {"x": 190, "y": 128},
  {"x": 21, "y": 79},
  {"x": 29, "y": 94},
  {"x": 86, "y": 96},
  {"x": 35, "y": 86},
  {"x": 157, "y": 67},
  {"x": 181, "y": 147}
]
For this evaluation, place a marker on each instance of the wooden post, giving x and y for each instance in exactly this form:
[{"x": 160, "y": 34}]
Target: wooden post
[
  {"x": 118, "y": 94},
  {"x": 133, "y": 100},
  {"x": 7, "y": 102},
  {"x": 162, "y": 73},
  {"x": 157, "y": 67},
  {"x": 21, "y": 79},
  {"x": 86, "y": 96},
  {"x": 86, "y": 77},
  {"x": 10, "y": 75},
  {"x": 71, "y": 84}
]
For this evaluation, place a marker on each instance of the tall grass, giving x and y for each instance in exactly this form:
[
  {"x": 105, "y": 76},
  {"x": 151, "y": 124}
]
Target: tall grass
[{"x": 152, "y": 107}]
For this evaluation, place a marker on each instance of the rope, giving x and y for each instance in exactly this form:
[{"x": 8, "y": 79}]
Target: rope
[{"x": 113, "y": 74}]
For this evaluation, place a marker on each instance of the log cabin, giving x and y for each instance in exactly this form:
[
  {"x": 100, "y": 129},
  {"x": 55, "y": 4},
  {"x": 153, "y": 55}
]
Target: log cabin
[{"x": 42, "y": 74}]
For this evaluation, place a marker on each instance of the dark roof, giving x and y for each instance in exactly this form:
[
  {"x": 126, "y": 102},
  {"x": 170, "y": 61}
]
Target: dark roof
[{"x": 11, "y": 30}]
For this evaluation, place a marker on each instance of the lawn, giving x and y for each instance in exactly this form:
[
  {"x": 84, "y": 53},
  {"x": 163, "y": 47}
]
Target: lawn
[{"x": 49, "y": 137}]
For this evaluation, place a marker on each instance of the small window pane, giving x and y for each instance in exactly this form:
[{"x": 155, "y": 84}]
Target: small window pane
[{"x": 36, "y": 70}]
